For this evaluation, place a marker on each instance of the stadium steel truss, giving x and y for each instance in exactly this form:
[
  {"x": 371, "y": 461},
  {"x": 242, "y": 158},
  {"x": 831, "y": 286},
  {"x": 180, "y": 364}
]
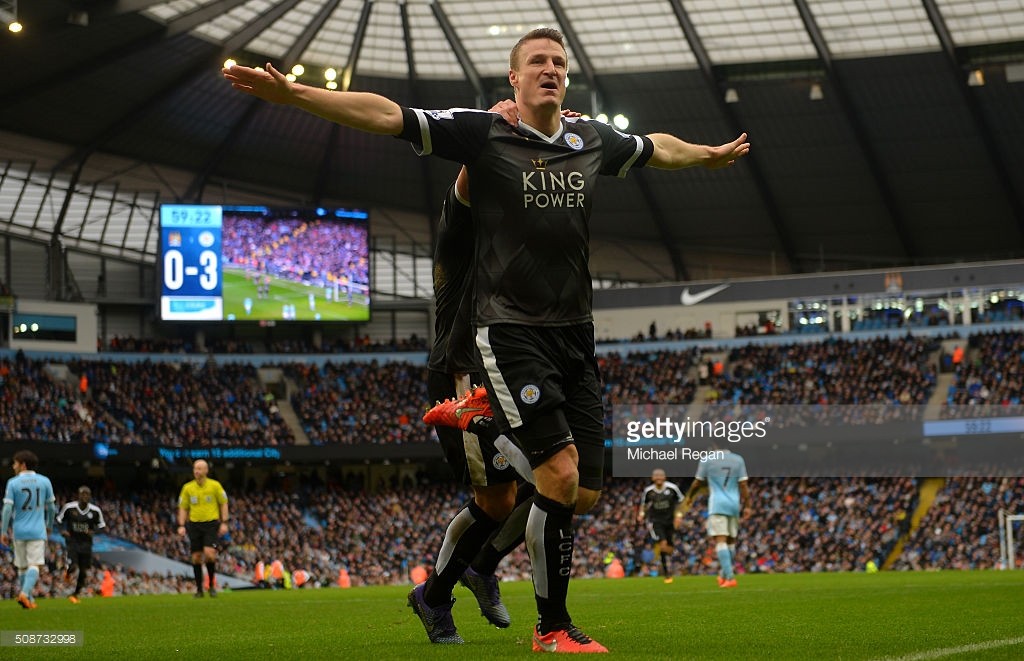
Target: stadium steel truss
[{"x": 885, "y": 132}]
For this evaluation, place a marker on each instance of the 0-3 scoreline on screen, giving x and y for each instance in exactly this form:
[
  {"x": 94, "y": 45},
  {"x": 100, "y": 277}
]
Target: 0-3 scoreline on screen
[{"x": 255, "y": 263}]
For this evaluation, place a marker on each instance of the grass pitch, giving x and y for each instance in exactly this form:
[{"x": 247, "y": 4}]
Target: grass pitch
[
  {"x": 237, "y": 287},
  {"x": 910, "y": 616}
]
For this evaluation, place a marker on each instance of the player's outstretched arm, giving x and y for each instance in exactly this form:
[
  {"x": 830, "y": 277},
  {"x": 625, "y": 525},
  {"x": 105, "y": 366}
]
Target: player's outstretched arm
[
  {"x": 671, "y": 153},
  {"x": 364, "y": 111}
]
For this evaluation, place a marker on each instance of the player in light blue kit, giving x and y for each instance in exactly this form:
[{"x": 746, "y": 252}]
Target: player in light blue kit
[
  {"x": 726, "y": 479},
  {"x": 29, "y": 505}
]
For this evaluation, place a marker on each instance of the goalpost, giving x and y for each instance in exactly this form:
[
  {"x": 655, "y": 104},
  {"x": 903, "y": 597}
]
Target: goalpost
[{"x": 1007, "y": 550}]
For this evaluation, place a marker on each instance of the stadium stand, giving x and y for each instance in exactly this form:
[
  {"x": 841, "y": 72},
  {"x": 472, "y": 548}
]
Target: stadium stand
[
  {"x": 959, "y": 530},
  {"x": 835, "y": 371},
  {"x": 378, "y": 535},
  {"x": 177, "y": 404},
  {"x": 990, "y": 381},
  {"x": 810, "y": 525}
]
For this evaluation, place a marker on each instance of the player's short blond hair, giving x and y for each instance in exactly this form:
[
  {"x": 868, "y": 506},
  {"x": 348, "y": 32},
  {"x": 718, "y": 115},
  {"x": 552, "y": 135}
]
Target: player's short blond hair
[{"x": 537, "y": 33}]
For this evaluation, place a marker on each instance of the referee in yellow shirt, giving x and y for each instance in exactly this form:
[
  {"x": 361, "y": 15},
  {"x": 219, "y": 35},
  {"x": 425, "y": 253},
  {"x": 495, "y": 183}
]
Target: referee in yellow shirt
[{"x": 203, "y": 515}]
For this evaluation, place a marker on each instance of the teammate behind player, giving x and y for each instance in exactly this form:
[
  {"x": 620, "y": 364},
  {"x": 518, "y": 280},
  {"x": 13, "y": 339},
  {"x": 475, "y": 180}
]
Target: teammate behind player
[
  {"x": 79, "y": 520},
  {"x": 28, "y": 508},
  {"x": 490, "y": 463},
  {"x": 661, "y": 507},
  {"x": 203, "y": 505},
  {"x": 726, "y": 479}
]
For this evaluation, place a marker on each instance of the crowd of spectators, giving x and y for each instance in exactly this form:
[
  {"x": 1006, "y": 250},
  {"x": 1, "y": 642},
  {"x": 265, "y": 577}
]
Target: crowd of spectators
[
  {"x": 652, "y": 335},
  {"x": 960, "y": 530},
  {"x": 768, "y": 327},
  {"x": 184, "y": 404},
  {"x": 794, "y": 525},
  {"x": 34, "y": 405},
  {"x": 297, "y": 249},
  {"x": 180, "y": 404},
  {"x": 360, "y": 402},
  {"x": 344, "y": 402},
  {"x": 989, "y": 381},
  {"x": 127, "y": 581},
  {"x": 832, "y": 382}
]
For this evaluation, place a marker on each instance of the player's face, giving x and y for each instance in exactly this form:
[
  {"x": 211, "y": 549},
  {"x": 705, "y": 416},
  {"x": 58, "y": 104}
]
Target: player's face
[
  {"x": 17, "y": 467},
  {"x": 539, "y": 76},
  {"x": 658, "y": 477},
  {"x": 200, "y": 469},
  {"x": 84, "y": 497}
]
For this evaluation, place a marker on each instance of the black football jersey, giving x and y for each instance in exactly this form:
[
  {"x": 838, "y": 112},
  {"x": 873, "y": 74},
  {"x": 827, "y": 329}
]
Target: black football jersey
[
  {"x": 531, "y": 204},
  {"x": 660, "y": 504},
  {"x": 81, "y": 524},
  {"x": 453, "y": 351}
]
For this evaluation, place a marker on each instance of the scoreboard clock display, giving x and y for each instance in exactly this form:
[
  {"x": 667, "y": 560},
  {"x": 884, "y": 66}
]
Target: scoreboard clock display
[
  {"x": 256, "y": 263},
  {"x": 191, "y": 277}
]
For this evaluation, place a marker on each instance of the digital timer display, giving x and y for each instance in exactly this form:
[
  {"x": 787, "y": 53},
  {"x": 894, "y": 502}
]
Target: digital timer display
[{"x": 191, "y": 283}]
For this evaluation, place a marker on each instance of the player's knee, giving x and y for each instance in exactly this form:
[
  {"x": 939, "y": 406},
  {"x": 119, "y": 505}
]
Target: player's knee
[
  {"x": 565, "y": 463},
  {"x": 558, "y": 477}
]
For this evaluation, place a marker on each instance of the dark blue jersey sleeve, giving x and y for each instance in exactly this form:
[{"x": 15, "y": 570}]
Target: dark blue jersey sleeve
[
  {"x": 458, "y": 134},
  {"x": 622, "y": 151}
]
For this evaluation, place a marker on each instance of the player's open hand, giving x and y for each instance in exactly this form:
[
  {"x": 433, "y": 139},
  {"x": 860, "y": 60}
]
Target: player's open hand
[
  {"x": 269, "y": 85},
  {"x": 509, "y": 111},
  {"x": 725, "y": 155}
]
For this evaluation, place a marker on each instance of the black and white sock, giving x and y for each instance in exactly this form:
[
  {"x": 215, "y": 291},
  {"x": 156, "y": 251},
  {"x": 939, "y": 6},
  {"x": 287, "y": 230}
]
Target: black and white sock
[
  {"x": 510, "y": 535},
  {"x": 549, "y": 540},
  {"x": 465, "y": 536}
]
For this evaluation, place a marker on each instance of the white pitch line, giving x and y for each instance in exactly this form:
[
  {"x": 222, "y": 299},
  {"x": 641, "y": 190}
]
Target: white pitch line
[{"x": 962, "y": 649}]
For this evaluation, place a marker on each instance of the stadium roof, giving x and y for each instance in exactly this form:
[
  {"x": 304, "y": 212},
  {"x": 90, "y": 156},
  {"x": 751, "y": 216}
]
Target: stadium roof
[{"x": 885, "y": 132}]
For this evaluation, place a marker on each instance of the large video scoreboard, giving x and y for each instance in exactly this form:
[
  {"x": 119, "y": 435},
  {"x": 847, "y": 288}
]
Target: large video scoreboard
[{"x": 255, "y": 263}]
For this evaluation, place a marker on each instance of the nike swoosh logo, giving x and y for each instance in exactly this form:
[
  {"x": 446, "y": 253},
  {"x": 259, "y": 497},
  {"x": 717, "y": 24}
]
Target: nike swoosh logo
[
  {"x": 547, "y": 647},
  {"x": 693, "y": 299},
  {"x": 466, "y": 409}
]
